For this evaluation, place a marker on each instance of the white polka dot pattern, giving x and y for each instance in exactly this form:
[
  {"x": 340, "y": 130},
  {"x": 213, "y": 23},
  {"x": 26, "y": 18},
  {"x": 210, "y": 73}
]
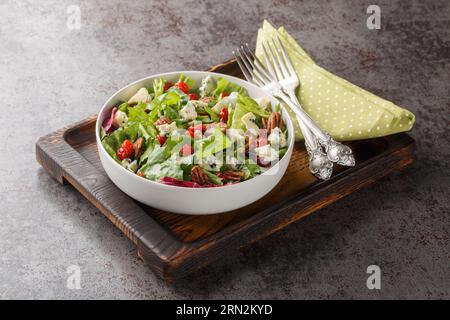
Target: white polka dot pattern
[{"x": 344, "y": 110}]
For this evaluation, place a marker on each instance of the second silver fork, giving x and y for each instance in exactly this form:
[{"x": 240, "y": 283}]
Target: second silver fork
[
  {"x": 319, "y": 164},
  {"x": 256, "y": 72}
]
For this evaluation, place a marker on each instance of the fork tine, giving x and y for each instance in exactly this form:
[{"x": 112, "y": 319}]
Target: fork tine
[
  {"x": 247, "y": 72},
  {"x": 268, "y": 62},
  {"x": 251, "y": 66},
  {"x": 270, "y": 76},
  {"x": 244, "y": 70},
  {"x": 261, "y": 74},
  {"x": 283, "y": 69},
  {"x": 246, "y": 66},
  {"x": 286, "y": 58},
  {"x": 274, "y": 62}
]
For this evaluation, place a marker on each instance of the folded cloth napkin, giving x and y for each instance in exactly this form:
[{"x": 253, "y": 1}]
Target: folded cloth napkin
[{"x": 344, "y": 110}]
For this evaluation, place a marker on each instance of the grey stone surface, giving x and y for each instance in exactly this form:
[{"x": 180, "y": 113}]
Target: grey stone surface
[{"x": 52, "y": 76}]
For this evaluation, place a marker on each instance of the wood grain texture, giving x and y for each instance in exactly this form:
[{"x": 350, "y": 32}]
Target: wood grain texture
[{"x": 174, "y": 245}]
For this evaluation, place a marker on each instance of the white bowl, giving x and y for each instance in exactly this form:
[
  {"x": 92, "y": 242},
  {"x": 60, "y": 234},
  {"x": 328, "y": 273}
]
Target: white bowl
[{"x": 194, "y": 201}]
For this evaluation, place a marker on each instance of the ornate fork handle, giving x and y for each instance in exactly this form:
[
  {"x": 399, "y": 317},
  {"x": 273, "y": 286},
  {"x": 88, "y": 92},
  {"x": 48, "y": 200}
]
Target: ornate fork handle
[
  {"x": 336, "y": 151},
  {"x": 319, "y": 164}
]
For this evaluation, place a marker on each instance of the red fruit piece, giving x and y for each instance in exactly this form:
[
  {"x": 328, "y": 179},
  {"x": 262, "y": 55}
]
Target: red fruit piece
[
  {"x": 167, "y": 85},
  {"x": 223, "y": 114},
  {"x": 186, "y": 150},
  {"x": 198, "y": 127},
  {"x": 126, "y": 150},
  {"x": 223, "y": 95},
  {"x": 182, "y": 86},
  {"x": 192, "y": 96},
  {"x": 162, "y": 139}
]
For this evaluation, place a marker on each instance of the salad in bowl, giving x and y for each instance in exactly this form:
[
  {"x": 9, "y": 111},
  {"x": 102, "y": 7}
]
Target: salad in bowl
[
  {"x": 194, "y": 142},
  {"x": 195, "y": 135}
]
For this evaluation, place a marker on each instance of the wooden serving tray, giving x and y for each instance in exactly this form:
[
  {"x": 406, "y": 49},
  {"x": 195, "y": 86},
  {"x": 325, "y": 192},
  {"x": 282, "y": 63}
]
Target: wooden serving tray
[{"x": 175, "y": 245}]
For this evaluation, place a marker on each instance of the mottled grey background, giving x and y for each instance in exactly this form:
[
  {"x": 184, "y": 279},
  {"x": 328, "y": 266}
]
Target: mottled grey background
[{"x": 51, "y": 76}]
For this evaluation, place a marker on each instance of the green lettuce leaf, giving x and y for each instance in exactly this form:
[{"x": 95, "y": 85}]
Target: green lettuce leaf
[
  {"x": 150, "y": 145},
  {"x": 228, "y": 87},
  {"x": 183, "y": 97},
  {"x": 158, "y": 87},
  {"x": 170, "y": 112},
  {"x": 115, "y": 139},
  {"x": 239, "y": 112},
  {"x": 181, "y": 123},
  {"x": 102, "y": 133},
  {"x": 137, "y": 114},
  {"x": 190, "y": 82},
  {"x": 168, "y": 168},
  {"x": 160, "y": 154},
  {"x": 251, "y": 169},
  {"x": 154, "y": 114},
  {"x": 214, "y": 116},
  {"x": 144, "y": 132},
  {"x": 124, "y": 107},
  {"x": 230, "y": 117},
  {"x": 213, "y": 178},
  {"x": 186, "y": 165},
  {"x": 169, "y": 98},
  {"x": 282, "y": 152},
  {"x": 251, "y": 106},
  {"x": 219, "y": 142},
  {"x": 110, "y": 150},
  {"x": 131, "y": 131}
]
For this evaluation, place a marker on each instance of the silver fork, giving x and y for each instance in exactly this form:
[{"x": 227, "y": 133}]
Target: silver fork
[
  {"x": 320, "y": 165},
  {"x": 256, "y": 72}
]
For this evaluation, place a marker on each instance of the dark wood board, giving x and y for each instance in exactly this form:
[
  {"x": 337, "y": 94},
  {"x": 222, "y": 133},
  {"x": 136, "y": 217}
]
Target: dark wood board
[{"x": 174, "y": 245}]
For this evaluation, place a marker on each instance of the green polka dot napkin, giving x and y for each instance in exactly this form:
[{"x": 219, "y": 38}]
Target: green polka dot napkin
[{"x": 344, "y": 110}]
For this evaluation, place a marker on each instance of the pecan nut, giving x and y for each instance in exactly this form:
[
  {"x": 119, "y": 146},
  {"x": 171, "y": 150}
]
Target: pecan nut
[
  {"x": 137, "y": 146},
  {"x": 231, "y": 175},
  {"x": 274, "y": 121},
  {"x": 199, "y": 176},
  {"x": 249, "y": 143},
  {"x": 163, "y": 120},
  {"x": 264, "y": 123},
  {"x": 207, "y": 99}
]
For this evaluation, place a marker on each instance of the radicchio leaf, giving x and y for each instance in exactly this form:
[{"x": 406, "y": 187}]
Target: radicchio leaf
[
  {"x": 187, "y": 184},
  {"x": 108, "y": 123}
]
